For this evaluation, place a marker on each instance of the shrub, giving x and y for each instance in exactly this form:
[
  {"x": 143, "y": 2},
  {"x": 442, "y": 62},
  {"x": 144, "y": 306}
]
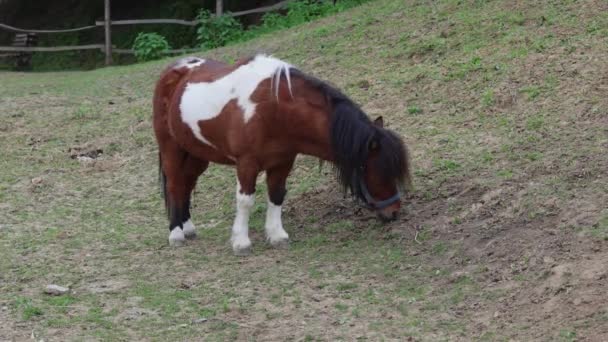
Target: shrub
[
  {"x": 299, "y": 12},
  {"x": 150, "y": 46},
  {"x": 216, "y": 31}
]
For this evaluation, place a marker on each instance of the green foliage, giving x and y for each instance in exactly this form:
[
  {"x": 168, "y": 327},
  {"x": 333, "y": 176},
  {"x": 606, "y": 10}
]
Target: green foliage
[
  {"x": 45, "y": 61},
  {"x": 446, "y": 165},
  {"x": 216, "y": 31},
  {"x": 506, "y": 174},
  {"x": 28, "y": 310},
  {"x": 212, "y": 33},
  {"x": 413, "y": 110},
  {"x": 567, "y": 335},
  {"x": 426, "y": 46},
  {"x": 535, "y": 122},
  {"x": 531, "y": 91},
  {"x": 150, "y": 46},
  {"x": 488, "y": 98},
  {"x": 299, "y": 12},
  {"x": 302, "y": 11}
]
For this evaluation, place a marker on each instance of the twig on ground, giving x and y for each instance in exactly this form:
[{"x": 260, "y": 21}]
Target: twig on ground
[{"x": 416, "y": 238}]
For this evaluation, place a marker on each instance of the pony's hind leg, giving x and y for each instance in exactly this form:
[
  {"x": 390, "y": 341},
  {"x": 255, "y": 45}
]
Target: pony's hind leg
[
  {"x": 192, "y": 169},
  {"x": 187, "y": 226},
  {"x": 175, "y": 199},
  {"x": 180, "y": 171},
  {"x": 275, "y": 179}
]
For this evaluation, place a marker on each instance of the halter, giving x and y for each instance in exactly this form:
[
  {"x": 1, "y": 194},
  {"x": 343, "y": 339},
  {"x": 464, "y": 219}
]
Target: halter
[{"x": 358, "y": 183}]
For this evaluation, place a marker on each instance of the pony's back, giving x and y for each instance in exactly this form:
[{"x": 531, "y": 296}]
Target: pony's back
[{"x": 165, "y": 86}]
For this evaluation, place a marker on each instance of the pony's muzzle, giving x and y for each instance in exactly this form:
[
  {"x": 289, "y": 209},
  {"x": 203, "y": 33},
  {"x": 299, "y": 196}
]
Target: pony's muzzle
[{"x": 390, "y": 213}]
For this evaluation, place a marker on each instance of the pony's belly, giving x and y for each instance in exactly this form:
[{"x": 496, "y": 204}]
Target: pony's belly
[
  {"x": 205, "y": 152},
  {"x": 213, "y": 153}
]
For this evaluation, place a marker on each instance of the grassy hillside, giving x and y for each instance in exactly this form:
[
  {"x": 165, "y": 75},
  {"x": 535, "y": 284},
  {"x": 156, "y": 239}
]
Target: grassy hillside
[{"x": 504, "y": 107}]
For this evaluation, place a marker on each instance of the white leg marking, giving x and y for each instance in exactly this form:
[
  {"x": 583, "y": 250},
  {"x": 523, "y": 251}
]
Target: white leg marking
[
  {"x": 189, "y": 231},
  {"x": 275, "y": 233},
  {"x": 241, "y": 245},
  {"x": 177, "y": 238}
]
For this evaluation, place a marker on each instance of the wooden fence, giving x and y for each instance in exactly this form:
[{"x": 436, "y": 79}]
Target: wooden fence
[{"x": 107, "y": 23}]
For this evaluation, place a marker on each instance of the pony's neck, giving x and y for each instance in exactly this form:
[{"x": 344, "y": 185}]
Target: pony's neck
[
  {"x": 307, "y": 130},
  {"x": 305, "y": 116}
]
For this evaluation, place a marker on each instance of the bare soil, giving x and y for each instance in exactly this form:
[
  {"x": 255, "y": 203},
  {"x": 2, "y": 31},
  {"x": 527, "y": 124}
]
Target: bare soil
[{"x": 503, "y": 106}]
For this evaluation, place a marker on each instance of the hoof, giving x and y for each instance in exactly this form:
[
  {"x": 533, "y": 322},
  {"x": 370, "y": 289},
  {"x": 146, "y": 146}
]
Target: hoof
[
  {"x": 242, "y": 251},
  {"x": 280, "y": 244},
  {"x": 189, "y": 231},
  {"x": 177, "y": 238},
  {"x": 241, "y": 245}
]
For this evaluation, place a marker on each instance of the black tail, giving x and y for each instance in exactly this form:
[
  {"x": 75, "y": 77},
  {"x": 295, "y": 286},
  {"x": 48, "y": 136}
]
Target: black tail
[{"x": 163, "y": 182}]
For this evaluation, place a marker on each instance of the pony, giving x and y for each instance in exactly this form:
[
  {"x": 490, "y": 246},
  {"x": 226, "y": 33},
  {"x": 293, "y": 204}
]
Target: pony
[{"x": 258, "y": 115}]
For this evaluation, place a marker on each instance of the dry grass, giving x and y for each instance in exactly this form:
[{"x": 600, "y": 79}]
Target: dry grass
[{"x": 503, "y": 106}]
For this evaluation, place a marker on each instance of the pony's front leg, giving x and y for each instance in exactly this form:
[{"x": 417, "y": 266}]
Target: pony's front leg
[
  {"x": 275, "y": 179},
  {"x": 245, "y": 199}
]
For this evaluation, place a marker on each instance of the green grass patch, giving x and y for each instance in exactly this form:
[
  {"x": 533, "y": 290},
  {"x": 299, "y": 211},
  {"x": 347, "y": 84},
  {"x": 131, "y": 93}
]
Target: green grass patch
[
  {"x": 535, "y": 123},
  {"x": 27, "y": 308},
  {"x": 487, "y": 98},
  {"x": 532, "y": 92},
  {"x": 447, "y": 165},
  {"x": 413, "y": 110}
]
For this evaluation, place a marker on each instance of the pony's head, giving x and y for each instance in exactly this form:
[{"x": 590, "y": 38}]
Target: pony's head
[{"x": 370, "y": 160}]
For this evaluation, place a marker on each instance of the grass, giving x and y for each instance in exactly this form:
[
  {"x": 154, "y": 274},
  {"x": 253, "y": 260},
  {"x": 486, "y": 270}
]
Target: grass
[
  {"x": 482, "y": 109},
  {"x": 413, "y": 110},
  {"x": 599, "y": 229},
  {"x": 27, "y": 309}
]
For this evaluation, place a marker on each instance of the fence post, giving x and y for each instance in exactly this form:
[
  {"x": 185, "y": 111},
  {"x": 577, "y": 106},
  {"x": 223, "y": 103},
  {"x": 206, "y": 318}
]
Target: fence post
[
  {"x": 219, "y": 4},
  {"x": 108, "y": 24}
]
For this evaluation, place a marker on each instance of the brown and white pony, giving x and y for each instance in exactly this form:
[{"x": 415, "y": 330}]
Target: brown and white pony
[{"x": 258, "y": 115}]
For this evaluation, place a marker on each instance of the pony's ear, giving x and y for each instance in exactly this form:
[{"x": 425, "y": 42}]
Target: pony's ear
[{"x": 379, "y": 122}]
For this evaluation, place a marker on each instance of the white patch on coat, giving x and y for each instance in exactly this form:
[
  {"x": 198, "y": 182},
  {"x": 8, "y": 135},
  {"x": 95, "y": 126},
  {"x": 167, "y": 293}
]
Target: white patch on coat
[
  {"x": 240, "y": 228},
  {"x": 189, "y": 62},
  {"x": 274, "y": 227},
  {"x": 205, "y": 100},
  {"x": 188, "y": 228},
  {"x": 176, "y": 237}
]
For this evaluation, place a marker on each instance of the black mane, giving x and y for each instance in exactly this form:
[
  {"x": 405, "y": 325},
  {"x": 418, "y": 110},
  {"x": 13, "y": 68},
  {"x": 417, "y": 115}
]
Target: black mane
[{"x": 352, "y": 132}]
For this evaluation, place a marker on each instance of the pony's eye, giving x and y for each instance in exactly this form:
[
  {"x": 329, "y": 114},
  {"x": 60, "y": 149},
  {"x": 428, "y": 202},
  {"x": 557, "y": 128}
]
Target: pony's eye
[{"x": 374, "y": 145}]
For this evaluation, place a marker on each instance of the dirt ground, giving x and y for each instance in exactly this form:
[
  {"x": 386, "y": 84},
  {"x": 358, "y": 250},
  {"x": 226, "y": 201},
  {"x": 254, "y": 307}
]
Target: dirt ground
[{"x": 503, "y": 106}]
